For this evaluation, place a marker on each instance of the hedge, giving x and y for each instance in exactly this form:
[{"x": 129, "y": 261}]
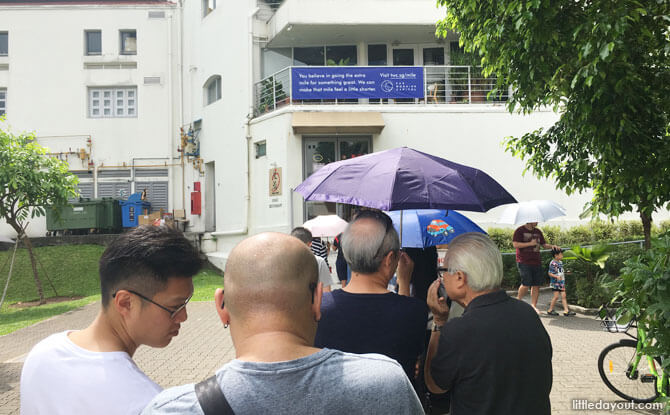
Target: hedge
[{"x": 583, "y": 281}]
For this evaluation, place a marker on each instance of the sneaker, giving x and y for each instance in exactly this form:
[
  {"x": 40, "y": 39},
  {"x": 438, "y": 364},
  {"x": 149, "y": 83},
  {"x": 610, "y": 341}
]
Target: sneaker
[
  {"x": 552, "y": 313},
  {"x": 569, "y": 314}
]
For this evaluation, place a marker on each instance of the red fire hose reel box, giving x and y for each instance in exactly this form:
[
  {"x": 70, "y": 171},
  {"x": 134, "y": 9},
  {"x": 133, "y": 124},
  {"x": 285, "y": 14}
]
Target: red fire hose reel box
[{"x": 196, "y": 199}]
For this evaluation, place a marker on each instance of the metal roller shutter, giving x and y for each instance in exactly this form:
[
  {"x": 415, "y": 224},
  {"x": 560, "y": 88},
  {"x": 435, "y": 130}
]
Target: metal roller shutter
[
  {"x": 85, "y": 189},
  {"x": 119, "y": 190},
  {"x": 157, "y": 194}
]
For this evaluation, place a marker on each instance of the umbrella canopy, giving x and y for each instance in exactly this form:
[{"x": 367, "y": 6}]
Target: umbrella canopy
[
  {"x": 429, "y": 227},
  {"x": 531, "y": 211},
  {"x": 403, "y": 178},
  {"x": 326, "y": 225}
]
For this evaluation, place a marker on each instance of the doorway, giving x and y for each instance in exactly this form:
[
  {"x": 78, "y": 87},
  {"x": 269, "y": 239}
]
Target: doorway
[{"x": 321, "y": 150}]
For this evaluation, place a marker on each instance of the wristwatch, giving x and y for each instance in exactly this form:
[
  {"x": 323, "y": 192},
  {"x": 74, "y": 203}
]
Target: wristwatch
[{"x": 436, "y": 327}]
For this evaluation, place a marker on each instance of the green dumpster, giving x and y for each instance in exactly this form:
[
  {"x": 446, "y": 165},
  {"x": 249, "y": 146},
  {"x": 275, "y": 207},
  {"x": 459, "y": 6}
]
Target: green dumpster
[
  {"x": 86, "y": 214},
  {"x": 111, "y": 217}
]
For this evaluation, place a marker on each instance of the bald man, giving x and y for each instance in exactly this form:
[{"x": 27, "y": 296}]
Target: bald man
[{"x": 272, "y": 305}]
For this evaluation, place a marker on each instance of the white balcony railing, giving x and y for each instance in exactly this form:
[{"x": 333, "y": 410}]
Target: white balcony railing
[{"x": 442, "y": 85}]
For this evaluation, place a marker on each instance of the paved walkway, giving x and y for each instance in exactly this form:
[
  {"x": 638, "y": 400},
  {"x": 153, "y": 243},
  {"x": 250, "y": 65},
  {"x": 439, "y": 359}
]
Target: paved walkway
[{"x": 203, "y": 346}]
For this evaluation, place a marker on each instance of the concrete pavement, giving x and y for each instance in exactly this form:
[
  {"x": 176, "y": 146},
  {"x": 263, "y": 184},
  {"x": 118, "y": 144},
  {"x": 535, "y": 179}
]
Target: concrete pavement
[{"x": 203, "y": 346}]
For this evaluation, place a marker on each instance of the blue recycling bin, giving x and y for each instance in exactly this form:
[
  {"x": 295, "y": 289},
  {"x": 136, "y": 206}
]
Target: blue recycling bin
[{"x": 132, "y": 208}]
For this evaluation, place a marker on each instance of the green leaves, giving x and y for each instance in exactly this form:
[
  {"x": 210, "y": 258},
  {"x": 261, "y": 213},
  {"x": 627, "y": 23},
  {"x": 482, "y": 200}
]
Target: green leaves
[
  {"x": 596, "y": 254},
  {"x": 604, "y": 65},
  {"x": 643, "y": 292},
  {"x": 30, "y": 179}
]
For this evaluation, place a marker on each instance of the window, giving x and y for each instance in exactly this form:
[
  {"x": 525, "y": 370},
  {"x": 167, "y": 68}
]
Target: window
[
  {"x": 212, "y": 89},
  {"x": 310, "y": 56},
  {"x": 4, "y": 43},
  {"x": 377, "y": 55},
  {"x": 128, "y": 42},
  {"x": 3, "y": 101},
  {"x": 261, "y": 149},
  {"x": 341, "y": 56},
  {"x": 208, "y": 6},
  {"x": 93, "y": 41},
  {"x": 112, "y": 102},
  {"x": 433, "y": 56}
]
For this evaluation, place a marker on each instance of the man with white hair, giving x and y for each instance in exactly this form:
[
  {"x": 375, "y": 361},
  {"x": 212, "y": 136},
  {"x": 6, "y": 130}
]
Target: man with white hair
[{"x": 496, "y": 358}]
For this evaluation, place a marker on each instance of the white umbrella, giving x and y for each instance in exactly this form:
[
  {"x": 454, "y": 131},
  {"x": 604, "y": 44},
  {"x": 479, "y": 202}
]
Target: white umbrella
[
  {"x": 326, "y": 225},
  {"x": 531, "y": 211}
]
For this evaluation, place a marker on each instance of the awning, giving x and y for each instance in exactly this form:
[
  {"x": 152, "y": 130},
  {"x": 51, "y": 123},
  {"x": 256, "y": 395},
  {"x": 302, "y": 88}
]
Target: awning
[{"x": 337, "y": 122}]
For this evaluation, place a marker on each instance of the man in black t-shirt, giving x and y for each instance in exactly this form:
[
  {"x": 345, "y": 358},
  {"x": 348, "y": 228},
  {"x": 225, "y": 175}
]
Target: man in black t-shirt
[
  {"x": 495, "y": 358},
  {"x": 365, "y": 317}
]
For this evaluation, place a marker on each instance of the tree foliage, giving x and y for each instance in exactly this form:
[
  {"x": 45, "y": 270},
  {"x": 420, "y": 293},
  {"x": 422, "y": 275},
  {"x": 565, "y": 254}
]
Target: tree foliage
[
  {"x": 604, "y": 65},
  {"x": 30, "y": 181},
  {"x": 643, "y": 291}
]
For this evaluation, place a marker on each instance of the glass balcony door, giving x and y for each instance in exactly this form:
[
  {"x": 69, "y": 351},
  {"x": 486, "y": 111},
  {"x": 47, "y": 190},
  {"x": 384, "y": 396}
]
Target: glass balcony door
[
  {"x": 404, "y": 56},
  {"x": 319, "y": 151}
]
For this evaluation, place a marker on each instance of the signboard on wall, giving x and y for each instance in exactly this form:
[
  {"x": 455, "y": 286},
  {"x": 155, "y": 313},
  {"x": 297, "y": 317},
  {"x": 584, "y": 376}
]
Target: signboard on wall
[
  {"x": 275, "y": 181},
  {"x": 348, "y": 82}
]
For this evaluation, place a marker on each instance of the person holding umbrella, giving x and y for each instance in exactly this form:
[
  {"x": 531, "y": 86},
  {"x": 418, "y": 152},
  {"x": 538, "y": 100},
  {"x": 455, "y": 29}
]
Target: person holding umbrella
[{"x": 527, "y": 240}]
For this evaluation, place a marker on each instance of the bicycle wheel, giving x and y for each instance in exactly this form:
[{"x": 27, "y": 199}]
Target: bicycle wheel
[{"x": 614, "y": 366}]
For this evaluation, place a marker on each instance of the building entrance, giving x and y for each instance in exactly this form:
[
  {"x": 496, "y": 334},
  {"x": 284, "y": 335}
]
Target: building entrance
[{"x": 321, "y": 150}]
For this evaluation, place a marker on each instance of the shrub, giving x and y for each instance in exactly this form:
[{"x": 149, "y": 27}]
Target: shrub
[{"x": 643, "y": 291}]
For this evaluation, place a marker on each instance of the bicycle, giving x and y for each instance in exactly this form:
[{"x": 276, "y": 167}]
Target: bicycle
[{"x": 619, "y": 364}]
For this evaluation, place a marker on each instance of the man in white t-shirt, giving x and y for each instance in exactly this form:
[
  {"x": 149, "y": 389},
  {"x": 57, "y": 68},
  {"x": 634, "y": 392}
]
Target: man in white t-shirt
[
  {"x": 305, "y": 235},
  {"x": 145, "y": 282}
]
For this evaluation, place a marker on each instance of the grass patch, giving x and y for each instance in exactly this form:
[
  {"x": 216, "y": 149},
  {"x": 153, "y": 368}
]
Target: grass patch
[
  {"x": 73, "y": 270},
  {"x": 205, "y": 283},
  {"x": 13, "y": 319}
]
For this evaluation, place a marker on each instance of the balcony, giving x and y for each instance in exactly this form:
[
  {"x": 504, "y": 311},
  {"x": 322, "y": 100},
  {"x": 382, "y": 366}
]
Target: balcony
[{"x": 438, "y": 85}]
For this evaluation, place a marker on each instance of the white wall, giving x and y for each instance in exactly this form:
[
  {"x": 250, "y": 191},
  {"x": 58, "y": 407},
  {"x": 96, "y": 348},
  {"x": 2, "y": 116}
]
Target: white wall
[
  {"x": 351, "y": 12},
  {"x": 47, "y": 83},
  {"x": 220, "y": 44}
]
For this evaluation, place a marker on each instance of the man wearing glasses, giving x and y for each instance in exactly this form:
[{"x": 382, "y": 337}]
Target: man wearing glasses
[
  {"x": 495, "y": 358},
  {"x": 145, "y": 282},
  {"x": 364, "y": 317}
]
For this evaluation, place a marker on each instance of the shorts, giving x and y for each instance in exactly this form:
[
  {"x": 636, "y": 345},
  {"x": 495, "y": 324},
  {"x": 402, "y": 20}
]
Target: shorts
[
  {"x": 531, "y": 275},
  {"x": 560, "y": 290}
]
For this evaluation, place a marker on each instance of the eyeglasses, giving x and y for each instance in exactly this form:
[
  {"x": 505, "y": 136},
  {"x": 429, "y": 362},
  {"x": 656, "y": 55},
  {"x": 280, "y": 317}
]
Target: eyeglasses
[
  {"x": 173, "y": 311},
  {"x": 442, "y": 271}
]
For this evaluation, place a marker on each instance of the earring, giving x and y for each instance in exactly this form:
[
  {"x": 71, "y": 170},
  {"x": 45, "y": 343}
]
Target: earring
[{"x": 225, "y": 325}]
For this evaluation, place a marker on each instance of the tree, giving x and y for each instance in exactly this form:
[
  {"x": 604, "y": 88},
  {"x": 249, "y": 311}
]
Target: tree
[
  {"x": 30, "y": 181},
  {"x": 604, "y": 65}
]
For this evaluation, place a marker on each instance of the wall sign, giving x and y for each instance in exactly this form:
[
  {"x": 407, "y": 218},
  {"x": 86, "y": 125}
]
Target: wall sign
[
  {"x": 275, "y": 181},
  {"x": 335, "y": 82}
]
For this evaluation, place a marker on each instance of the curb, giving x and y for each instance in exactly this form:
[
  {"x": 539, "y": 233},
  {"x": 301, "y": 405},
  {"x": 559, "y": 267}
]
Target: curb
[{"x": 571, "y": 307}]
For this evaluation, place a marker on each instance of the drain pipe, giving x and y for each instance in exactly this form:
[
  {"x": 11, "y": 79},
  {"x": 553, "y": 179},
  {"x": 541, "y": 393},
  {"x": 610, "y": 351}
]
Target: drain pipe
[{"x": 247, "y": 205}]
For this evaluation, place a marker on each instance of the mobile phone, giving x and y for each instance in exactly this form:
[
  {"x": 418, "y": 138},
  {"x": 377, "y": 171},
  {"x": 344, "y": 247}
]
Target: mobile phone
[{"x": 442, "y": 293}]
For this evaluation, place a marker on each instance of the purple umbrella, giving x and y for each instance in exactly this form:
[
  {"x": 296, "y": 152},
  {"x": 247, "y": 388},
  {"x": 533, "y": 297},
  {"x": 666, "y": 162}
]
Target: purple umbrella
[{"x": 403, "y": 178}]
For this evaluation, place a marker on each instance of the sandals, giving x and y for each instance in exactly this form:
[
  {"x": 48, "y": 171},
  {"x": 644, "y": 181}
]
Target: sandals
[
  {"x": 569, "y": 314},
  {"x": 552, "y": 313}
]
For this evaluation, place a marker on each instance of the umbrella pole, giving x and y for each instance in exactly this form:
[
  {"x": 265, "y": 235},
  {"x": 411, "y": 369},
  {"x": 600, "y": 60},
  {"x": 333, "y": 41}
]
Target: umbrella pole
[{"x": 400, "y": 229}]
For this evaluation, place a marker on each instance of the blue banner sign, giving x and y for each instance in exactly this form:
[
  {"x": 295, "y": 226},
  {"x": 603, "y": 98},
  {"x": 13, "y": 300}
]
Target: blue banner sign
[{"x": 348, "y": 82}]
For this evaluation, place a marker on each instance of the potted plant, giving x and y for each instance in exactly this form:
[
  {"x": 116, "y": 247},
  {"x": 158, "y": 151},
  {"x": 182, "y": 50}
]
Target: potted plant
[{"x": 269, "y": 100}]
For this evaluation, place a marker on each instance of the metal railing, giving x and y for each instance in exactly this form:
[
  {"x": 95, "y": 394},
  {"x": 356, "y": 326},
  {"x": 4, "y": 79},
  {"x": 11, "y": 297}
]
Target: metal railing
[{"x": 442, "y": 85}]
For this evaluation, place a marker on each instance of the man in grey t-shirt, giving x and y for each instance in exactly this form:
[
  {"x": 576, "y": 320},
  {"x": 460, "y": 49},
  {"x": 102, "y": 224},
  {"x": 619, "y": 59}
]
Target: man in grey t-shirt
[{"x": 272, "y": 304}]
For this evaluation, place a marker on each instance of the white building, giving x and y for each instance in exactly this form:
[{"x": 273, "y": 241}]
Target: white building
[
  {"x": 258, "y": 126},
  {"x": 99, "y": 85},
  {"x": 222, "y": 71}
]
